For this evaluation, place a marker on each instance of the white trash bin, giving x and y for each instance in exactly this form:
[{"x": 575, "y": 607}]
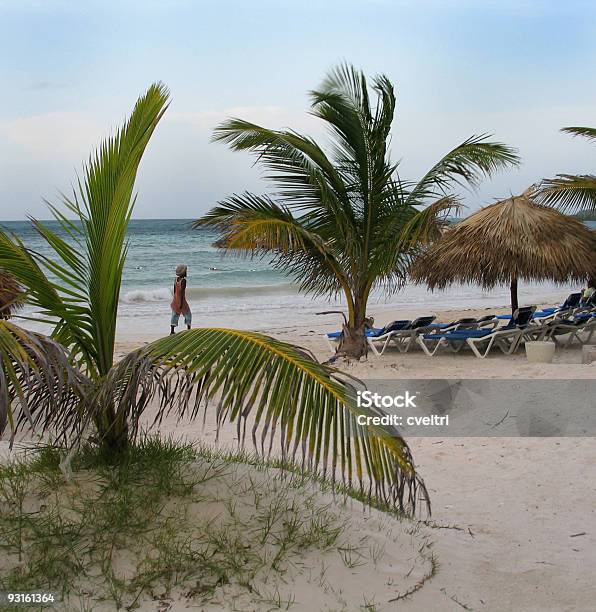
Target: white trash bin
[
  {"x": 588, "y": 353},
  {"x": 540, "y": 351}
]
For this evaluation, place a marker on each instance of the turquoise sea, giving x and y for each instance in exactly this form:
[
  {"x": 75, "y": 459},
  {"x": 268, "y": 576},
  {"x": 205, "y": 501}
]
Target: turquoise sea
[{"x": 243, "y": 292}]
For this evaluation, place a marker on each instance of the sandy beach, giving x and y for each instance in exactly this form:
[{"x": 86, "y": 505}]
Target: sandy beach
[
  {"x": 414, "y": 364},
  {"x": 514, "y": 518},
  {"x": 513, "y": 523}
]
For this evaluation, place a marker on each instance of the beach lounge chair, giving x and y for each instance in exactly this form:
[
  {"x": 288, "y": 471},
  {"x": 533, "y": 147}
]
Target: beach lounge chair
[
  {"x": 404, "y": 338},
  {"x": 588, "y": 303},
  {"x": 487, "y": 321},
  {"x": 481, "y": 341},
  {"x": 573, "y": 328},
  {"x": 571, "y": 302},
  {"x": 429, "y": 342},
  {"x": 378, "y": 334},
  {"x": 466, "y": 323},
  {"x": 384, "y": 335}
]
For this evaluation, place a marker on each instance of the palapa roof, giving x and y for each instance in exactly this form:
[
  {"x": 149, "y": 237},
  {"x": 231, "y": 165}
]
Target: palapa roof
[{"x": 516, "y": 237}]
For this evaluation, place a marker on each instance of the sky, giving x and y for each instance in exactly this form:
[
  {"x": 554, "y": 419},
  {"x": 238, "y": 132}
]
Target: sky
[{"x": 72, "y": 71}]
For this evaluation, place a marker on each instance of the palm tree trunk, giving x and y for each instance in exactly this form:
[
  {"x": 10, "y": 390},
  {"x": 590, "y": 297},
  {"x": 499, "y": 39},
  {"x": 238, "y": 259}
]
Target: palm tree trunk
[
  {"x": 115, "y": 442},
  {"x": 513, "y": 288},
  {"x": 112, "y": 433},
  {"x": 352, "y": 343}
]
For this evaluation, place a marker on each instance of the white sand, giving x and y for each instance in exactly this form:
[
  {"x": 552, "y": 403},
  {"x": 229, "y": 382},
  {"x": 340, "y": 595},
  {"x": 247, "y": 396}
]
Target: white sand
[
  {"x": 516, "y": 517},
  {"x": 509, "y": 510}
]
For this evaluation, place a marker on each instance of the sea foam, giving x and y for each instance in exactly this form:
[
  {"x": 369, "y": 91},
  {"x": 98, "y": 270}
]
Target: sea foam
[{"x": 137, "y": 296}]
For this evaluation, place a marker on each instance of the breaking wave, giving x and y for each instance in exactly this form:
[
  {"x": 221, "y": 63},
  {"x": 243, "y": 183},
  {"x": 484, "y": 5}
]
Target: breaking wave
[{"x": 139, "y": 296}]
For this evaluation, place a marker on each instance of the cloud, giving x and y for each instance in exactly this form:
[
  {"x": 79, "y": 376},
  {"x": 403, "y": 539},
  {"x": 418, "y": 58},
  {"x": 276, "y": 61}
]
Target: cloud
[
  {"x": 45, "y": 86},
  {"x": 70, "y": 136},
  {"x": 275, "y": 117},
  {"x": 54, "y": 134}
]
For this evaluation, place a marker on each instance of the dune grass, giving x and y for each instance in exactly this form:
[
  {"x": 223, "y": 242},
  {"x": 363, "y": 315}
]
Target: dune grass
[{"x": 170, "y": 521}]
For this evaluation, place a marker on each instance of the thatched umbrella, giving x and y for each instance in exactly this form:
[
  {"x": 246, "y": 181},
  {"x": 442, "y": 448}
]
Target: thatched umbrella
[
  {"x": 512, "y": 240},
  {"x": 10, "y": 292}
]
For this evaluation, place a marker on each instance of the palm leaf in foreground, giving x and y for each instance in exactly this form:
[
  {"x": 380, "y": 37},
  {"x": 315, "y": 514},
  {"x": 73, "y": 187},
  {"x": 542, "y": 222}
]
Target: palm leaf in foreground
[
  {"x": 276, "y": 390},
  {"x": 76, "y": 289},
  {"x": 37, "y": 379}
]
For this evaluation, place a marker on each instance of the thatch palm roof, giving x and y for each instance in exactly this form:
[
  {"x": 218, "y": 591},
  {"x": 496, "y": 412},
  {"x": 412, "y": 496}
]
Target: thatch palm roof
[
  {"x": 515, "y": 239},
  {"x": 10, "y": 290}
]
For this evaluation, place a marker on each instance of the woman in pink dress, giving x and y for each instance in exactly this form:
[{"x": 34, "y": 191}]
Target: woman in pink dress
[{"x": 179, "y": 304}]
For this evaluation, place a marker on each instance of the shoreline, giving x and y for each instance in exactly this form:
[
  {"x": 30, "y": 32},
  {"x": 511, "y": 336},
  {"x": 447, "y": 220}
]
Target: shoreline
[{"x": 267, "y": 312}]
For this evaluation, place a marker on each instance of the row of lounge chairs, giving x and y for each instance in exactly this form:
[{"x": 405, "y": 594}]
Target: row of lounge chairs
[{"x": 573, "y": 320}]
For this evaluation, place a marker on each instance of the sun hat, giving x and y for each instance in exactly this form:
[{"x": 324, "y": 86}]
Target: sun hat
[{"x": 181, "y": 270}]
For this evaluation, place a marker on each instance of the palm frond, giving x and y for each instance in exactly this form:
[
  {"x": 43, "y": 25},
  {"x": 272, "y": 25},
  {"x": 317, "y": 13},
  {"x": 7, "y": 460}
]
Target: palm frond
[
  {"x": 569, "y": 192},
  {"x": 304, "y": 177},
  {"x": 38, "y": 386},
  {"x": 58, "y": 303},
  {"x": 475, "y": 158},
  {"x": 427, "y": 225},
  {"x": 105, "y": 197},
  {"x": 349, "y": 84},
  {"x": 82, "y": 300},
  {"x": 277, "y": 391},
  {"x": 256, "y": 225},
  {"x": 288, "y": 152},
  {"x": 11, "y": 294},
  {"x": 585, "y": 132}
]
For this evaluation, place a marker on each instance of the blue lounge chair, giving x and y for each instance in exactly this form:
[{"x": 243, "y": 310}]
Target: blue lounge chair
[
  {"x": 372, "y": 333},
  {"x": 466, "y": 323},
  {"x": 404, "y": 338},
  {"x": 507, "y": 338},
  {"x": 571, "y": 302},
  {"x": 572, "y": 327},
  {"x": 588, "y": 303}
]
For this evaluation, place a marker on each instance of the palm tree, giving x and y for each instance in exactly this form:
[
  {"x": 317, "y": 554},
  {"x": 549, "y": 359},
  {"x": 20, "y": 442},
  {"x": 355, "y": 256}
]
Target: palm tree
[
  {"x": 572, "y": 192},
  {"x": 343, "y": 222},
  {"x": 71, "y": 383}
]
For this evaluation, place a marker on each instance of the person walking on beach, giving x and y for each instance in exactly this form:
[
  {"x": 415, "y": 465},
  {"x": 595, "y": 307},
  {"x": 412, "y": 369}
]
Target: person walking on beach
[{"x": 179, "y": 304}]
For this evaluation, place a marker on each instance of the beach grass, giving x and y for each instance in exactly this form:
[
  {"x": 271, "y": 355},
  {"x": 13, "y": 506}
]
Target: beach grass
[{"x": 174, "y": 521}]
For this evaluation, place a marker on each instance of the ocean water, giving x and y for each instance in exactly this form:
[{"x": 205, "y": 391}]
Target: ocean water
[{"x": 235, "y": 291}]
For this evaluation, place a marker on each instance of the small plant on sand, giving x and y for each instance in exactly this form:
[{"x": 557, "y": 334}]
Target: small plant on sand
[
  {"x": 72, "y": 383},
  {"x": 343, "y": 222},
  {"x": 175, "y": 522}
]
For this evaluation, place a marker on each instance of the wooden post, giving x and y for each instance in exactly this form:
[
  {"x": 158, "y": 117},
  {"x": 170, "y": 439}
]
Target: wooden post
[{"x": 514, "y": 303}]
